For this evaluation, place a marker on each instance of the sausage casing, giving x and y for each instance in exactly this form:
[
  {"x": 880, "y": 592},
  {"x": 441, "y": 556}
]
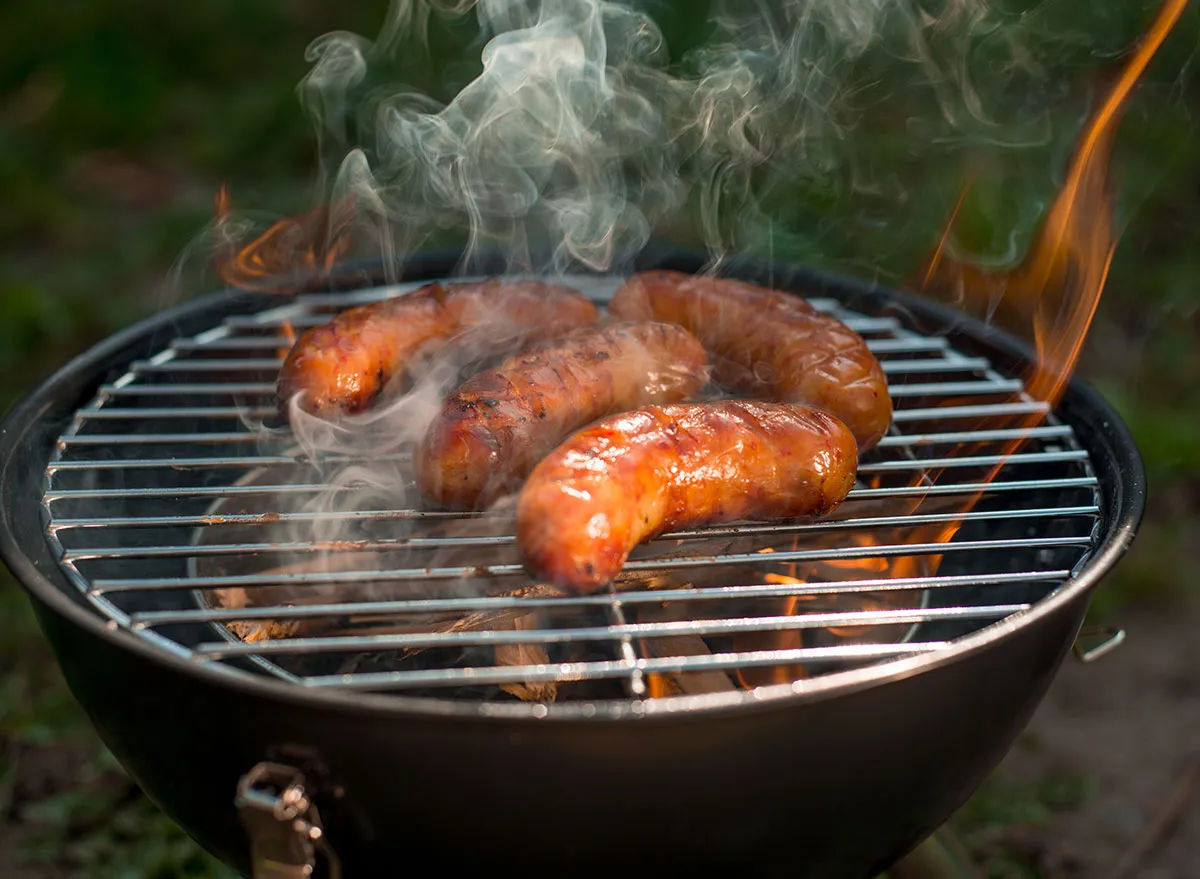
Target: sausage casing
[
  {"x": 769, "y": 343},
  {"x": 491, "y": 432},
  {"x": 632, "y": 476},
  {"x": 340, "y": 367}
]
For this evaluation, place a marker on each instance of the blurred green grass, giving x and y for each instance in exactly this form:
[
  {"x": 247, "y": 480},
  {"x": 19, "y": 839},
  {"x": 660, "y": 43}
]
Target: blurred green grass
[
  {"x": 119, "y": 121},
  {"x": 117, "y": 124}
]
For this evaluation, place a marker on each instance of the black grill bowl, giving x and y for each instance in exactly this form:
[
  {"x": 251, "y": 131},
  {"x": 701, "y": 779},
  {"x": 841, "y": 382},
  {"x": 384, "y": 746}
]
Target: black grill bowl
[{"x": 832, "y": 781}]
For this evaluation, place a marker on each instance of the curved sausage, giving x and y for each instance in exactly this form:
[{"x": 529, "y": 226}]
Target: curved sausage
[
  {"x": 633, "y": 476},
  {"x": 340, "y": 367},
  {"x": 768, "y": 343},
  {"x": 491, "y": 432}
]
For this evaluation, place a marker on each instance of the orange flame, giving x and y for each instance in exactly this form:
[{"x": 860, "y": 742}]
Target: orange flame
[
  {"x": 287, "y": 334},
  {"x": 1057, "y": 287},
  {"x": 868, "y": 566},
  {"x": 1053, "y": 294},
  {"x": 777, "y": 639},
  {"x": 291, "y": 253},
  {"x": 660, "y": 686}
]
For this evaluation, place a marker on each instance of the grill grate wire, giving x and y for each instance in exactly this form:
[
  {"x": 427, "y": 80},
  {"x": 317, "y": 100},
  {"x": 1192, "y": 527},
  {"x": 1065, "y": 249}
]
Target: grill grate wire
[{"x": 166, "y": 506}]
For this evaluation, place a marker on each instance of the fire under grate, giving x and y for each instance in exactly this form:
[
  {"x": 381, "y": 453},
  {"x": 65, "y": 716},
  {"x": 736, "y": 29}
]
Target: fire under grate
[{"x": 185, "y": 522}]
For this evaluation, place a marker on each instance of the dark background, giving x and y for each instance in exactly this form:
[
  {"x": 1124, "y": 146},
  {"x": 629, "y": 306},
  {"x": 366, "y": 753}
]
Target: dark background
[{"x": 119, "y": 121}]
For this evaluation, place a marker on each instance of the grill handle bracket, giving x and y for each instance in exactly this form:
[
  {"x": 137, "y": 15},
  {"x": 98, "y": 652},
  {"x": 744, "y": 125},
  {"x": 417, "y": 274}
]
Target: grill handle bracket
[
  {"x": 283, "y": 824},
  {"x": 1094, "y": 642}
]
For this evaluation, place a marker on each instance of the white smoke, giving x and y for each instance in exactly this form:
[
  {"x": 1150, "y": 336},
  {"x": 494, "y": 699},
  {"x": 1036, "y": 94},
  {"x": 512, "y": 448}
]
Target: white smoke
[{"x": 580, "y": 137}]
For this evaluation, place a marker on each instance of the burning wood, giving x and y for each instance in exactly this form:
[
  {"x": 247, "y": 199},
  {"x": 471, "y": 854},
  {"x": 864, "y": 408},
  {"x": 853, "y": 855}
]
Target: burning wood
[
  {"x": 345, "y": 619},
  {"x": 387, "y": 623},
  {"x": 524, "y": 654},
  {"x": 364, "y": 622},
  {"x": 678, "y": 683}
]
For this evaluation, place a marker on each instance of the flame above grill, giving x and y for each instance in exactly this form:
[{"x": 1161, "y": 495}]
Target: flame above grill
[{"x": 1052, "y": 295}]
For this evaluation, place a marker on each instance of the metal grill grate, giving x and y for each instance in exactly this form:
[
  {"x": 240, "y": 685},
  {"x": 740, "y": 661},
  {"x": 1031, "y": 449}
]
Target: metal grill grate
[{"x": 183, "y": 520}]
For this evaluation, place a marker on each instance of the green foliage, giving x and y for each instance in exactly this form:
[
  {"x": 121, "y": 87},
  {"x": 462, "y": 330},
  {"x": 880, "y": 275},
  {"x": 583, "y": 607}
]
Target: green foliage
[
  {"x": 991, "y": 821},
  {"x": 1004, "y": 803},
  {"x": 35, "y": 705},
  {"x": 99, "y": 827},
  {"x": 114, "y": 834}
]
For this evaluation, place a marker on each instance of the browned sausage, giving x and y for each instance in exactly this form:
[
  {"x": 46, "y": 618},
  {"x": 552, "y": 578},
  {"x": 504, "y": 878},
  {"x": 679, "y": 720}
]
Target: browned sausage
[
  {"x": 768, "y": 343},
  {"x": 342, "y": 366},
  {"x": 633, "y": 476},
  {"x": 492, "y": 431}
]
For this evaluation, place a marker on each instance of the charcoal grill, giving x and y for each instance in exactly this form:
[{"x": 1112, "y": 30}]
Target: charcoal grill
[{"x": 809, "y": 696}]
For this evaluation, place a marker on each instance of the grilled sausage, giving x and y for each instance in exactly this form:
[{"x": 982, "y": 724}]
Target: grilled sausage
[
  {"x": 342, "y": 366},
  {"x": 768, "y": 343},
  {"x": 635, "y": 475},
  {"x": 492, "y": 431}
]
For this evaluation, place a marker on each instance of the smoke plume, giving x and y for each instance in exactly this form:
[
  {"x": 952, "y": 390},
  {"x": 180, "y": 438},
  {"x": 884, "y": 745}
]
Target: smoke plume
[{"x": 582, "y": 133}]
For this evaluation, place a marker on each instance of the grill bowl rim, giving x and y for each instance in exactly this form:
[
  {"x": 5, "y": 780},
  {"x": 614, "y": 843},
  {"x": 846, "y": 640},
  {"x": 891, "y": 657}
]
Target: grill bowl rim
[{"x": 1099, "y": 428}]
